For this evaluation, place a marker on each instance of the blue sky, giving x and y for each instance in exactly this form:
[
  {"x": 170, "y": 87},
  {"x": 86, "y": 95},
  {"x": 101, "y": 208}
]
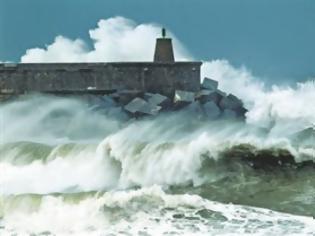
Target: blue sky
[{"x": 275, "y": 39}]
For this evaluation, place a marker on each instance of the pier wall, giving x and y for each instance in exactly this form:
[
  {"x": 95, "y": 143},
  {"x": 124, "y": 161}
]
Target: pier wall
[{"x": 155, "y": 77}]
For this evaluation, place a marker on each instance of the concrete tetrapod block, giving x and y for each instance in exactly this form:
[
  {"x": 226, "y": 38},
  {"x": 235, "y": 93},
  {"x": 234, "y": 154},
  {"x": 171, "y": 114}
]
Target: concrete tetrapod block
[
  {"x": 210, "y": 84},
  {"x": 203, "y": 93},
  {"x": 117, "y": 113},
  {"x": 105, "y": 102},
  {"x": 147, "y": 96},
  {"x": 229, "y": 114},
  {"x": 211, "y": 110},
  {"x": 214, "y": 96},
  {"x": 125, "y": 96},
  {"x": 157, "y": 99},
  {"x": 100, "y": 103},
  {"x": 140, "y": 106},
  {"x": 231, "y": 102},
  {"x": 241, "y": 111},
  {"x": 108, "y": 101},
  {"x": 195, "y": 109},
  {"x": 184, "y": 96}
]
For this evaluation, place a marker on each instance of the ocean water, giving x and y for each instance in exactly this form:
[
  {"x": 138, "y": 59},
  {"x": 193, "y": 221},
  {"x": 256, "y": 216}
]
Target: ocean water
[{"x": 68, "y": 170}]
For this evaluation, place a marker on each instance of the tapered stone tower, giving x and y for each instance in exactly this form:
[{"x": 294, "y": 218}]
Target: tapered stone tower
[{"x": 164, "y": 49}]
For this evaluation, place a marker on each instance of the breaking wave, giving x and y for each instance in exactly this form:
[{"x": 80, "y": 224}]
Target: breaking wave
[
  {"x": 59, "y": 155},
  {"x": 147, "y": 211}
]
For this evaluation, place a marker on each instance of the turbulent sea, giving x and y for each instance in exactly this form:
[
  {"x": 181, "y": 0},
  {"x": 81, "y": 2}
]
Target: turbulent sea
[{"x": 68, "y": 170}]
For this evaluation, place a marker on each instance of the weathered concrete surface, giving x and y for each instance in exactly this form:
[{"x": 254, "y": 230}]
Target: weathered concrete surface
[
  {"x": 231, "y": 102},
  {"x": 182, "y": 96},
  {"x": 209, "y": 84},
  {"x": 211, "y": 110},
  {"x": 138, "y": 105},
  {"x": 100, "y": 78},
  {"x": 164, "y": 50},
  {"x": 157, "y": 99},
  {"x": 214, "y": 96}
]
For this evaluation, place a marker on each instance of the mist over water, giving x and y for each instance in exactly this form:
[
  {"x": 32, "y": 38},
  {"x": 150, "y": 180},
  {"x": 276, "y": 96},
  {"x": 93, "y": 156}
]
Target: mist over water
[{"x": 44, "y": 135}]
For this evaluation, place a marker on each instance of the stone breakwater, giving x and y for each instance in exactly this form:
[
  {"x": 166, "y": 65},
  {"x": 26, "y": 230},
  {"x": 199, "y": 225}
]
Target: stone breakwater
[
  {"x": 208, "y": 103},
  {"x": 99, "y": 78}
]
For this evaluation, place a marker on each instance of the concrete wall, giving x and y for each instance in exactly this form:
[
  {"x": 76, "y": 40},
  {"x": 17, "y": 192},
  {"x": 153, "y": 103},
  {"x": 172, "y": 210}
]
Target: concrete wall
[{"x": 157, "y": 77}]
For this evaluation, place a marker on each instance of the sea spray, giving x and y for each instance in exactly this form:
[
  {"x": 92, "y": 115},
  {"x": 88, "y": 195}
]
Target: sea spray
[
  {"x": 279, "y": 108},
  {"x": 169, "y": 150},
  {"x": 67, "y": 151},
  {"x": 52, "y": 120},
  {"x": 73, "y": 171}
]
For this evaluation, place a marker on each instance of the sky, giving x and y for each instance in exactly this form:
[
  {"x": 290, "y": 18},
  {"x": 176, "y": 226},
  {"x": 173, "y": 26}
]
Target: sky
[{"x": 274, "y": 39}]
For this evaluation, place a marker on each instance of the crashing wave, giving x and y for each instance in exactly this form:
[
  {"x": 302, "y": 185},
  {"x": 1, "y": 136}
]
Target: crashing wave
[{"x": 148, "y": 211}]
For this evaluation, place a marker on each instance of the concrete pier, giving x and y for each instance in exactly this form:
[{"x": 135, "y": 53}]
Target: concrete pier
[{"x": 163, "y": 76}]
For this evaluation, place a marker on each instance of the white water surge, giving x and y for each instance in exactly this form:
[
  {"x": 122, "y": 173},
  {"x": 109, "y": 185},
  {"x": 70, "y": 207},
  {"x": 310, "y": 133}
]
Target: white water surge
[
  {"x": 167, "y": 150},
  {"x": 148, "y": 211},
  {"x": 69, "y": 171}
]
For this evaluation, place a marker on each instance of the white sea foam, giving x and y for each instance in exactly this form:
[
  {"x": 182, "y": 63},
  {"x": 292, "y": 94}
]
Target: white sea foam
[
  {"x": 76, "y": 172},
  {"x": 281, "y": 108},
  {"x": 52, "y": 120},
  {"x": 160, "y": 151},
  {"x": 148, "y": 210}
]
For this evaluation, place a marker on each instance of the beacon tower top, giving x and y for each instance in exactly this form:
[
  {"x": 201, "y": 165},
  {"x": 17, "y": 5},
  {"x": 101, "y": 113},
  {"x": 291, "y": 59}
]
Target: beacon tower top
[{"x": 164, "y": 49}]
